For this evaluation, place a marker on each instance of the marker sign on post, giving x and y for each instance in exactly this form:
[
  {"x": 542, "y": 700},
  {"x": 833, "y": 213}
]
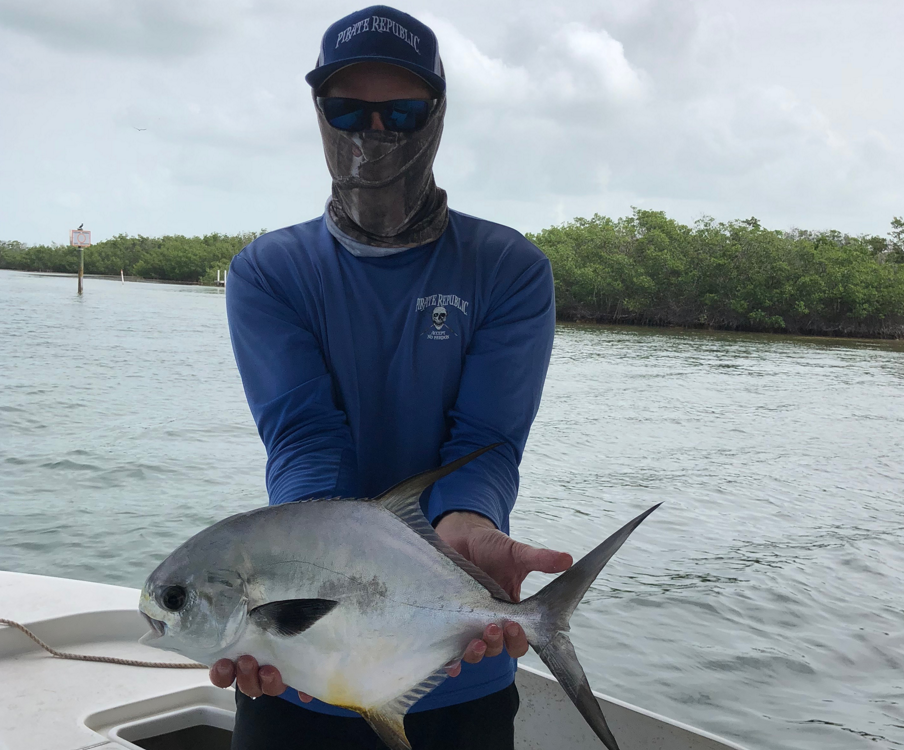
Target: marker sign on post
[{"x": 81, "y": 239}]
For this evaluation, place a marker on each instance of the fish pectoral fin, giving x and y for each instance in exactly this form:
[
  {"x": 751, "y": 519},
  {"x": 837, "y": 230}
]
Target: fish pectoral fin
[
  {"x": 290, "y": 616},
  {"x": 389, "y": 726}
]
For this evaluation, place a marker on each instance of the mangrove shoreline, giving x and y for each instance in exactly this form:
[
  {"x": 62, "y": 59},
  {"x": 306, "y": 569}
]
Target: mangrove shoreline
[{"x": 644, "y": 269}]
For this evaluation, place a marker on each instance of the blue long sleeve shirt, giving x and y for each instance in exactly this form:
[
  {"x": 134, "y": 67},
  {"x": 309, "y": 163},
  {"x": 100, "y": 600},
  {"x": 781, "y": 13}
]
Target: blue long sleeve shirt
[{"x": 361, "y": 371}]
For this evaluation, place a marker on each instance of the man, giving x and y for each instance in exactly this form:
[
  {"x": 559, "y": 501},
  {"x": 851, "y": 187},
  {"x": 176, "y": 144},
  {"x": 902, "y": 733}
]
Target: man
[{"x": 385, "y": 338}]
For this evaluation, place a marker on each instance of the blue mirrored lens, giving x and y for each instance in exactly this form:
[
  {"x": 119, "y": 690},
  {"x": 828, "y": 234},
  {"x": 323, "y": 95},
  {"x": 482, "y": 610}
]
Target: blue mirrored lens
[
  {"x": 350, "y": 121},
  {"x": 344, "y": 114},
  {"x": 355, "y": 114},
  {"x": 405, "y": 114}
]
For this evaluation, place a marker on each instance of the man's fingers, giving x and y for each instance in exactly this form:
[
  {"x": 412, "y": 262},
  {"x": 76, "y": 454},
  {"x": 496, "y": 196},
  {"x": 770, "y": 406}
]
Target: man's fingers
[
  {"x": 304, "y": 697},
  {"x": 247, "y": 678},
  {"x": 543, "y": 560},
  {"x": 222, "y": 673},
  {"x": 271, "y": 681},
  {"x": 515, "y": 640},
  {"x": 453, "y": 668},
  {"x": 492, "y": 637},
  {"x": 475, "y": 651}
]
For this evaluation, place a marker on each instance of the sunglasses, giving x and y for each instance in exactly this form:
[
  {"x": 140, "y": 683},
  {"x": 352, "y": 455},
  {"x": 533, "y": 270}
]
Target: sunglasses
[{"x": 401, "y": 115}]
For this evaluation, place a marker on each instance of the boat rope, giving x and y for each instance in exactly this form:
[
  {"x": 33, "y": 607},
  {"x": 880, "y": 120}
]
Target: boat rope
[{"x": 106, "y": 659}]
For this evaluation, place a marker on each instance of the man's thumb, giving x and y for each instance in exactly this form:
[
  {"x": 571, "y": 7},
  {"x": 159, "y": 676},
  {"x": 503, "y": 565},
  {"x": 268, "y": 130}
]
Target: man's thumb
[{"x": 543, "y": 560}]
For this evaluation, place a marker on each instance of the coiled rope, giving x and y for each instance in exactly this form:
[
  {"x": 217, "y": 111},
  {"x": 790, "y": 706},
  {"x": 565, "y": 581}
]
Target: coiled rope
[{"x": 106, "y": 659}]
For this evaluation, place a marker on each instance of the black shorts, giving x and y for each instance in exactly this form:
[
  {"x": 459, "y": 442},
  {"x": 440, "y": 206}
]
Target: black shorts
[{"x": 274, "y": 724}]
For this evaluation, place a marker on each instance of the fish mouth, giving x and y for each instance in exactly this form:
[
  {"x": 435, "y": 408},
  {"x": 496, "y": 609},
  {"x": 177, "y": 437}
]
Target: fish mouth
[{"x": 157, "y": 626}]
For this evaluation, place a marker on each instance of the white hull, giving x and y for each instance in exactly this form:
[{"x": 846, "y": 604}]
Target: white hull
[{"x": 55, "y": 704}]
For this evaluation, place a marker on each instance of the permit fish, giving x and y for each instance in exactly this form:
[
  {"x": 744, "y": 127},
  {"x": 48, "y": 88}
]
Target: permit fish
[{"x": 358, "y": 602}]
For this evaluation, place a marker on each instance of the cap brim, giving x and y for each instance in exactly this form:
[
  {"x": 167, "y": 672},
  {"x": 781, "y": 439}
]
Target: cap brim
[{"x": 317, "y": 77}]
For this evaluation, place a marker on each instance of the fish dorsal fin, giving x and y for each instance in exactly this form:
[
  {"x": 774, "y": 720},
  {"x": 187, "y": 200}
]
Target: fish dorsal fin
[
  {"x": 388, "y": 720},
  {"x": 291, "y": 616},
  {"x": 404, "y": 501},
  {"x": 415, "y": 520},
  {"x": 408, "y": 492}
]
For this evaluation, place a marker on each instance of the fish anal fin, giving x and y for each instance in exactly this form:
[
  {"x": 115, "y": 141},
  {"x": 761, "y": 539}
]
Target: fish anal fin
[
  {"x": 390, "y": 728},
  {"x": 290, "y": 616},
  {"x": 388, "y": 720},
  {"x": 425, "y": 686},
  {"x": 403, "y": 500}
]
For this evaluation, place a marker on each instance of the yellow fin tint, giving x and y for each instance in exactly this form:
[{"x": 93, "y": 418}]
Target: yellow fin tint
[{"x": 342, "y": 694}]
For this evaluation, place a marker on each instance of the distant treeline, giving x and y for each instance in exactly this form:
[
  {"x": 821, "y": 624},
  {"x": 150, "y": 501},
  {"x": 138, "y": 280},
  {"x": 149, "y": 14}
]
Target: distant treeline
[
  {"x": 169, "y": 258},
  {"x": 649, "y": 269},
  {"x": 643, "y": 269}
]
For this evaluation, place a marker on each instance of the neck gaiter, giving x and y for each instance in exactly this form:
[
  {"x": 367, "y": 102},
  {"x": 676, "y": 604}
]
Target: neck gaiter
[{"x": 383, "y": 193}]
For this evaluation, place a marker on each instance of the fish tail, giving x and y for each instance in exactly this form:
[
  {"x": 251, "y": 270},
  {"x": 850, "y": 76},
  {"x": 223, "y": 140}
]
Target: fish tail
[{"x": 555, "y": 604}]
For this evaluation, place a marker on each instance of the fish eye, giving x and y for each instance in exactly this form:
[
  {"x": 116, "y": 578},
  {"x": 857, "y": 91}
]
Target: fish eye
[{"x": 173, "y": 598}]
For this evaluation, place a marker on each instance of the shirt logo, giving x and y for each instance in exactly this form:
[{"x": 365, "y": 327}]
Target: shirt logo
[
  {"x": 439, "y": 329},
  {"x": 442, "y": 300}
]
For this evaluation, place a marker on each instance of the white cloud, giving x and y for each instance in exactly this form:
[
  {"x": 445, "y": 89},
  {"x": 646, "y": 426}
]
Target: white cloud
[
  {"x": 707, "y": 106},
  {"x": 164, "y": 28},
  {"x": 474, "y": 75},
  {"x": 590, "y": 64},
  {"x": 575, "y": 64}
]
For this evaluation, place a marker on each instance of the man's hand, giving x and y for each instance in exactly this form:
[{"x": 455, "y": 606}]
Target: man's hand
[
  {"x": 252, "y": 680},
  {"x": 507, "y": 562},
  {"x": 475, "y": 537}
]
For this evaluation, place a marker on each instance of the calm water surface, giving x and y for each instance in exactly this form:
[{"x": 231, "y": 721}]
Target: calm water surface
[{"x": 764, "y": 601}]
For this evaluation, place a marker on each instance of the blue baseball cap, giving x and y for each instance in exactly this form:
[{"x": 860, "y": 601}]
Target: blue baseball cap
[{"x": 379, "y": 34}]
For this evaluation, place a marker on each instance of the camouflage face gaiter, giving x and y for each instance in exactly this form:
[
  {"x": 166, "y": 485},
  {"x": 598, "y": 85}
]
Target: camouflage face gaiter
[{"x": 384, "y": 194}]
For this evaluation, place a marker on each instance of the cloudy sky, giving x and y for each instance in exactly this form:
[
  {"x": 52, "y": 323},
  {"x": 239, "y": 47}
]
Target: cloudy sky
[{"x": 788, "y": 110}]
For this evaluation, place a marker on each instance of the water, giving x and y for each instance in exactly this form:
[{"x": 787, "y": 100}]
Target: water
[{"x": 763, "y": 602}]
